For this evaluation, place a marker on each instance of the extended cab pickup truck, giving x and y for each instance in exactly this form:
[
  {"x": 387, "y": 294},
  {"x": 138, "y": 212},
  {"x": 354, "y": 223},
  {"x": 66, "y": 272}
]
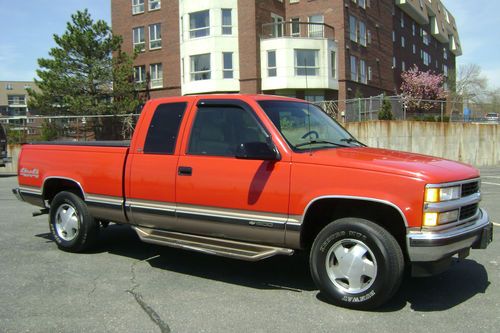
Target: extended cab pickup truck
[{"x": 252, "y": 176}]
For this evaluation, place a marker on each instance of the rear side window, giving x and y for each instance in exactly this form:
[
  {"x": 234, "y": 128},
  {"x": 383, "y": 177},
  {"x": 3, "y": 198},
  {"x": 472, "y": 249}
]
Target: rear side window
[{"x": 164, "y": 129}]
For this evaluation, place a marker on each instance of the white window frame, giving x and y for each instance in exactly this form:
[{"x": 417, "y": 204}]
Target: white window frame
[
  {"x": 307, "y": 67},
  {"x": 272, "y": 71},
  {"x": 141, "y": 70},
  {"x": 194, "y": 73},
  {"x": 154, "y": 5},
  {"x": 156, "y": 75},
  {"x": 362, "y": 33},
  {"x": 369, "y": 73},
  {"x": 293, "y": 21},
  {"x": 277, "y": 25},
  {"x": 141, "y": 44},
  {"x": 363, "y": 77},
  {"x": 227, "y": 29},
  {"x": 353, "y": 28},
  {"x": 137, "y": 7},
  {"x": 313, "y": 30},
  {"x": 155, "y": 36},
  {"x": 193, "y": 31},
  {"x": 229, "y": 71},
  {"x": 333, "y": 64},
  {"x": 354, "y": 68}
]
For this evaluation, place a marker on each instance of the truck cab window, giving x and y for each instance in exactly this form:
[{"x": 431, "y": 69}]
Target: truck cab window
[
  {"x": 164, "y": 129},
  {"x": 218, "y": 131}
]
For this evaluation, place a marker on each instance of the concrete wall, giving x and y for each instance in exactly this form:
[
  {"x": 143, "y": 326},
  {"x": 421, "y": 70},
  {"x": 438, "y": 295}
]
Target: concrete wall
[{"x": 476, "y": 144}]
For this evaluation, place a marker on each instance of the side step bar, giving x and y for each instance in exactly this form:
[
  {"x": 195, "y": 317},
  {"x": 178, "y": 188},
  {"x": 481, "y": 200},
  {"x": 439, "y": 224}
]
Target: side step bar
[{"x": 209, "y": 245}]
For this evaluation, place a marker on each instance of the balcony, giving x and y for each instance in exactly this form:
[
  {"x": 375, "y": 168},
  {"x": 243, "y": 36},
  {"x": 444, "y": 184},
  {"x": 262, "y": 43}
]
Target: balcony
[
  {"x": 298, "y": 55},
  {"x": 296, "y": 29}
]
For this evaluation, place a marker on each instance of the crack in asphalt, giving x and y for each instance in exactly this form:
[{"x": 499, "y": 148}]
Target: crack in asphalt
[
  {"x": 152, "y": 314},
  {"x": 94, "y": 286}
]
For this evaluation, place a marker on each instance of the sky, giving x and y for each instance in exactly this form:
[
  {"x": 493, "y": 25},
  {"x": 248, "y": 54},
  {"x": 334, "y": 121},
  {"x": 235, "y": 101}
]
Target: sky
[{"x": 28, "y": 26}]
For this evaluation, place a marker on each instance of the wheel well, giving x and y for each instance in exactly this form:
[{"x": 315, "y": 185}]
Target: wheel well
[
  {"x": 55, "y": 185},
  {"x": 324, "y": 211}
]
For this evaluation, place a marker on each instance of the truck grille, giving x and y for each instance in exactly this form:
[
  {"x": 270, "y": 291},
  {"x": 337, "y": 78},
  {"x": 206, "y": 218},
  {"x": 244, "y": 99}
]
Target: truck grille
[
  {"x": 470, "y": 188},
  {"x": 468, "y": 211}
]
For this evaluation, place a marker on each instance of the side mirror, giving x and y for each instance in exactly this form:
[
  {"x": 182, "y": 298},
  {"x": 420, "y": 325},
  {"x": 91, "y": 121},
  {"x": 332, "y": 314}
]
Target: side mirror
[{"x": 257, "y": 151}]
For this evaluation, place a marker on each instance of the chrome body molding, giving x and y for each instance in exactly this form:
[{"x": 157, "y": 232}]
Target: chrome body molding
[
  {"x": 106, "y": 207},
  {"x": 65, "y": 178},
  {"x": 426, "y": 246},
  {"x": 385, "y": 202},
  {"x": 30, "y": 194}
]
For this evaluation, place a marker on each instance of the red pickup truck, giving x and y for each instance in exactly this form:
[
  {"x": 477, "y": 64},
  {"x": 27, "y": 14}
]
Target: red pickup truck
[{"x": 252, "y": 176}]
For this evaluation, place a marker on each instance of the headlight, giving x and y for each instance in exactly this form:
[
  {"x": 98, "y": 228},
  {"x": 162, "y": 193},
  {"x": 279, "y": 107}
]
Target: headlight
[
  {"x": 442, "y": 194},
  {"x": 434, "y": 219}
]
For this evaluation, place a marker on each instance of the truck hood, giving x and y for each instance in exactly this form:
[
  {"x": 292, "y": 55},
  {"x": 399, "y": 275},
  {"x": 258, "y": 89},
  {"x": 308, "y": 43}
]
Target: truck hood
[{"x": 428, "y": 168}]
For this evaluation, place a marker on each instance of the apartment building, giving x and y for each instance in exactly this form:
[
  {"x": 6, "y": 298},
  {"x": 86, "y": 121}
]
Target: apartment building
[
  {"x": 311, "y": 49},
  {"x": 14, "y": 111}
]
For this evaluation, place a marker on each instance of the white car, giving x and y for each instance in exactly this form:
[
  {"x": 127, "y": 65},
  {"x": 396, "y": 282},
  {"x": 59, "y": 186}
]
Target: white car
[{"x": 492, "y": 117}]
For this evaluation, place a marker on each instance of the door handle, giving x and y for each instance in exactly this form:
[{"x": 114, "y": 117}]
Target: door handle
[{"x": 185, "y": 171}]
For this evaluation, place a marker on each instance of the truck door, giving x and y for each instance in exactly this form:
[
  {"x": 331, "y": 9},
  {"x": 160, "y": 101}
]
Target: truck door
[
  {"x": 220, "y": 195},
  {"x": 152, "y": 168}
]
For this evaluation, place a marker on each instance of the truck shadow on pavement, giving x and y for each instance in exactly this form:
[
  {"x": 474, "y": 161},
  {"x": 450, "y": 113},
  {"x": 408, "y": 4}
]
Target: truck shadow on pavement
[{"x": 460, "y": 283}]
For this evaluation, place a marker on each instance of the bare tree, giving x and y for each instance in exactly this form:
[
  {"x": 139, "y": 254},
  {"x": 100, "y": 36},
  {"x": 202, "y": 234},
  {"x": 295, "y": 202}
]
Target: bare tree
[{"x": 468, "y": 85}]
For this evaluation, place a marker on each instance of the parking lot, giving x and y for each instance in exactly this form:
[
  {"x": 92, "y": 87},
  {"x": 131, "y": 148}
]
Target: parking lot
[{"x": 129, "y": 286}]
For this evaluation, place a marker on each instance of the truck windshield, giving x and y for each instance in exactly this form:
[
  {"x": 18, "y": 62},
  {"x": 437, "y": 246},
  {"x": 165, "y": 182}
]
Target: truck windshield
[{"x": 305, "y": 126}]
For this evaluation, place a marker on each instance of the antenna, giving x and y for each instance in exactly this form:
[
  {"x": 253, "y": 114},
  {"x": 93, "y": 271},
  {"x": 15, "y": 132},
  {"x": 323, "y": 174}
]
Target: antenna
[{"x": 308, "y": 107}]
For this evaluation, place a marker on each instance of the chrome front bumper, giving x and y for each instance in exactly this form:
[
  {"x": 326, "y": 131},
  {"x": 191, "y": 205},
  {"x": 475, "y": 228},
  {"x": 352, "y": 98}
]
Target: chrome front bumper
[{"x": 434, "y": 246}]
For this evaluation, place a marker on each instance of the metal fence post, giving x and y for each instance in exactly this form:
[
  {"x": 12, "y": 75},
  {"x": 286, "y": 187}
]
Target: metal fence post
[{"x": 442, "y": 111}]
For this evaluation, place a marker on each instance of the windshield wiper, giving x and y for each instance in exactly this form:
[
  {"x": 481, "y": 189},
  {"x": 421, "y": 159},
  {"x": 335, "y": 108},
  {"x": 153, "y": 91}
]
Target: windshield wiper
[
  {"x": 351, "y": 140},
  {"x": 311, "y": 142}
]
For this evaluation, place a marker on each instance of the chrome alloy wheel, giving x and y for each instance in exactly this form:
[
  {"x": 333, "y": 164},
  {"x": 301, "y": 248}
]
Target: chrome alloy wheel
[
  {"x": 351, "y": 266},
  {"x": 67, "y": 222}
]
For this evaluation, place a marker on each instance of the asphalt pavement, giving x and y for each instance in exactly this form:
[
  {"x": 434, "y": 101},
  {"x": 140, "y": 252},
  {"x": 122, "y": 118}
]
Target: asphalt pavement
[{"x": 129, "y": 286}]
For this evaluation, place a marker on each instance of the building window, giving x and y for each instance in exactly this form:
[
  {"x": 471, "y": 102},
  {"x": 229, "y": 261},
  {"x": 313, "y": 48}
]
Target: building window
[
  {"x": 362, "y": 33},
  {"x": 8, "y": 86},
  {"x": 154, "y": 4},
  {"x": 403, "y": 41},
  {"x": 362, "y": 3},
  {"x": 137, "y": 6},
  {"x": 155, "y": 36},
  {"x": 316, "y": 26},
  {"x": 368, "y": 37},
  {"x": 413, "y": 29},
  {"x": 393, "y": 62},
  {"x": 200, "y": 67},
  {"x": 369, "y": 73},
  {"x": 403, "y": 66},
  {"x": 138, "y": 39},
  {"x": 227, "y": 22},
  {"x": 426, "y": 58},
  {"x": 227, "y": 58},
  {"x": 156, "y": 73},
  {"x": 445, "y": 70},
  {"x": 306, "y": 62},
  {"x": 362, "y": 72},
  {"x": 199, "y": 24},
  {"x": 414, "y": 49},
  {"x": 425, "y": 37},
  {"x": 271, "y": 63},
  {"x": 353, "y": 31},
  {"x": 333, "y": 64},
  {"x": 393, "y": 35},
  {"x": 139, "y": 74},
  {"x": 402, "y": 20},
  {"x": 445, "y": 53},
  {"x": 354, "y": 68},
  {"x": 16, "y": 100},
  {"x": 314, "y": 97},
  {"x": 277, "y": 25},
  {"x": 295, "y": 27}
]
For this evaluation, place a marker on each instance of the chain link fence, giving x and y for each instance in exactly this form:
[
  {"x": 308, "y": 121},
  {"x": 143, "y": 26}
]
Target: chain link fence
[{"x": 365, "y": 109}]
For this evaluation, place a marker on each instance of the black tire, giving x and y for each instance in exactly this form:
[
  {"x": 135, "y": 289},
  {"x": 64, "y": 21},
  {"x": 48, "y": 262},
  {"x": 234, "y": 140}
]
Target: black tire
[
  {"x": 383, "y": 256},
  {"x": 79, "y": 232}
]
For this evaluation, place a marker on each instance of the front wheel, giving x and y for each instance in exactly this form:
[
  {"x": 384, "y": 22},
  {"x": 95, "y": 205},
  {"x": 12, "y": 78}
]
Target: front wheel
[
  {"x": 356, "y": 263},
  {"x": 72, "y": 226}
]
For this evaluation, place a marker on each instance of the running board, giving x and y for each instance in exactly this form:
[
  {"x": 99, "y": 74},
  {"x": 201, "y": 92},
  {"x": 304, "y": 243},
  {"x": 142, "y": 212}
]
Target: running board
[{"x": 209, "y": 245}]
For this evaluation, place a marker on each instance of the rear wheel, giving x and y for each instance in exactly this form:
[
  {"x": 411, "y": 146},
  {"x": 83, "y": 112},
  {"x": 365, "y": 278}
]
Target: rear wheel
[
  {"x": 356, "y": 263},
  {"x": 72, "y": 226}
]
